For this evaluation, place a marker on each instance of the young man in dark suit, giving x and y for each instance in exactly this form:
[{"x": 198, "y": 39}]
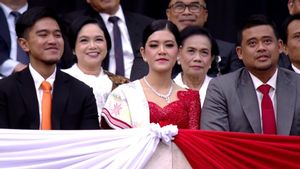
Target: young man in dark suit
[
  {"x": 131, "y": 27},
  {"x": 72, "y": 105},
  {"x": 259, "y": 98}
]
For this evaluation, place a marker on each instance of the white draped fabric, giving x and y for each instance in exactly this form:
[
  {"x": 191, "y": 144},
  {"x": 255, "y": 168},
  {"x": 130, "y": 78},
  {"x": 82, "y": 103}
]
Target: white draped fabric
[{"x": 129, "y": 148}]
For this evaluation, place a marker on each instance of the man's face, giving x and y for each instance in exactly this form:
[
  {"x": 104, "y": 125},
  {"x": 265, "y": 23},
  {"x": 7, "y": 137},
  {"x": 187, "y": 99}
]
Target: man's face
[
  {"x": 195, "y": 13},
  {"x": 293, "y": 42},
  {"x": 43, "y": 42},
  {"x": 105, "y": 6},
  {"x": 259, "y": 49},
  {"x": 294, "y": 6}
]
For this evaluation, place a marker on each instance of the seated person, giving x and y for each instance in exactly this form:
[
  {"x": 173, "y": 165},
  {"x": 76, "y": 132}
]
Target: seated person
[
  {"x": 25, "y": 97},
  {"x": 290, "y": 37},
  {"x": 155, "y": 98},
  {"x": 91, "y": 44},
  {"x": 197, "y": 53}
]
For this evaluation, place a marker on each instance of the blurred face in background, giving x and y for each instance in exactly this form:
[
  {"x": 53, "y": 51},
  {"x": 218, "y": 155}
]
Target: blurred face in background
[
  {"x": 294, "y": 6},
  {"x": 195, "y": 56},
  {"x": 184, "y": 13},
  {"x": 160, "y": 51},
  {"x": 90, "y": 47},
  {"x": 105, "y": 6},
  {"x": 293, "y": 42}
]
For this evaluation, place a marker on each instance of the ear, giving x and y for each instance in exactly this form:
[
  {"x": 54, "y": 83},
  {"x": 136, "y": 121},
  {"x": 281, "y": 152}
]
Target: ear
[
  {"x": 239, "y": 52},
  {"x": 168, "y": 13},
  {"x": 142, "y": 51},
  {"x": 281, "y": 46},
  {"x": 24, "y": 44}
]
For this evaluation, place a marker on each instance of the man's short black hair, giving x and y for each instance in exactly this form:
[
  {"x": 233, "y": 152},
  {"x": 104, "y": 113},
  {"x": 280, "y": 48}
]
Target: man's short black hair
[
  {"x": 256, "y": 20},
  {"x": 31, "y": 16}
]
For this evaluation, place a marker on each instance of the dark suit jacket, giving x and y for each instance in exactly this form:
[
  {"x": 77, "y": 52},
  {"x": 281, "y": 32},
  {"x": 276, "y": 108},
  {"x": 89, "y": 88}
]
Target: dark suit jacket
[
  {"x": 231, "y": 103},
  {"x": 135, "y": 25},
  {"x": 5, "y": 41},
  {"x": 73, "y": 103}
]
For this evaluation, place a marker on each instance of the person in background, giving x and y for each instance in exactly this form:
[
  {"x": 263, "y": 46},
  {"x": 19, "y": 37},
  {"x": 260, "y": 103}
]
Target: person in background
[
  {"x": 124, "y": 58},
  {"x": 194, "y": 12},
  {"x": 260, "y": 98},
  {"x": 91, "y": 44},
  {"x": 196, "y": 54},
  {"x": 291, "y": 40},
  {"x": 42, "y": 96},
  {"x": 12, "y": 57},
  {"x": 293, "y": 6},
  {"x": 155, "y": 98}
]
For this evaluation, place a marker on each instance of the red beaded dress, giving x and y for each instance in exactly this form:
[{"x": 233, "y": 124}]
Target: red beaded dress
[{"x": 184, "y": 112}]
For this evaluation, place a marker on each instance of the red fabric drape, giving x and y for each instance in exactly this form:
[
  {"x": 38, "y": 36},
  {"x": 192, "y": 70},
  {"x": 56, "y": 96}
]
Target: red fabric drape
[{"x": 229, "y": 150}]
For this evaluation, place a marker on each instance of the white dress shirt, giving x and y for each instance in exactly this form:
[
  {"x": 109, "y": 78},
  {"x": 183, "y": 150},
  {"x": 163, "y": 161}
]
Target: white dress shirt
[
  {"x": 126, "y": 44},
  {"x": 202, "y": 92},
  {"x": 8, "y": 66},
  {"x": 272, "y": 83},
  {"x": 38, "y": 79}
]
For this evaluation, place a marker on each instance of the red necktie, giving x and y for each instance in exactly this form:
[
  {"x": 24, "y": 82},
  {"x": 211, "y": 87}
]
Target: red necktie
[
  {"x": 268, "y": 114},
  {"x": 46, "y": 106}
]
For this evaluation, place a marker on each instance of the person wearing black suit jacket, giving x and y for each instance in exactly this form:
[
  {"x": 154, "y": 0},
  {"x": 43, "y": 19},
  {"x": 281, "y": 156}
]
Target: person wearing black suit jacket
[
  {"x": 8, "y": 42},
  {"x": 73, "y": 103},
  {"x": 290, "y": 35},
  {"x": 131, "y": 26},
  {"x": 185, "y": 13}
]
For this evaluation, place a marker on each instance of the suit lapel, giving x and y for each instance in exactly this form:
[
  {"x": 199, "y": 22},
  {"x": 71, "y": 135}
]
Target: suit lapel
[
  {"x": 59, "y": 98},
  {"x": 248, "y": 99},
  {"x": 133, "y": 32},
  {"x": 27, "y": 89},
  {"x": 285, "y": 96}
]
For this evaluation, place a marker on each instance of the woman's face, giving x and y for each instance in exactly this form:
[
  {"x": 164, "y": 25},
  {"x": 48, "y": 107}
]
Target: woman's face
[
  {"x": 195, "y": 55},
  {"x": 90, "y": 47},
  {"x": 160, "y": 51}
]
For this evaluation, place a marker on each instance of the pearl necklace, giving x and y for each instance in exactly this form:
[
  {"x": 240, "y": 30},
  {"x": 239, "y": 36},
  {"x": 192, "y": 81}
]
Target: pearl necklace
[{"x": 166, "y": 96}]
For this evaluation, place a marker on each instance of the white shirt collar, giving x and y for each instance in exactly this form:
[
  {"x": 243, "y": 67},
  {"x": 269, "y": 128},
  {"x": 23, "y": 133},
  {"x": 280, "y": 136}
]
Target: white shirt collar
[
  {"x": 38, "y": 79},
  {"x": 119, "y": 14},
  {"x": 271, "y": 82},
  {"x": 7, "y": 10},
  {"x": 296, "y": 69}
]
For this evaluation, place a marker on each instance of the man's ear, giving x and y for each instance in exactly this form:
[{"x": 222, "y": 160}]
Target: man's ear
[
  {"x": 281, "y": 46},
  {"x": 23, "y": 44},
  {"x": 239, "y": 52}
]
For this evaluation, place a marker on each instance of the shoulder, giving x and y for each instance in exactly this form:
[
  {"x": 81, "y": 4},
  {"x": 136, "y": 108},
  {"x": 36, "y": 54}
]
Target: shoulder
[
  {"x": 74, "y": 83},
  {"x": 131, "y": 16},
  {"x": 116, "y": 79}
]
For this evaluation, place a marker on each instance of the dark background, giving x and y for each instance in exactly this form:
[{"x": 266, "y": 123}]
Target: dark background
[{"x": 224, "y": 15}]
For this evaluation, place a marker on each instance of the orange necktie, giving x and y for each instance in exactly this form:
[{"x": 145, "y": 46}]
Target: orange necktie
[{"x": 46, "y": 105}]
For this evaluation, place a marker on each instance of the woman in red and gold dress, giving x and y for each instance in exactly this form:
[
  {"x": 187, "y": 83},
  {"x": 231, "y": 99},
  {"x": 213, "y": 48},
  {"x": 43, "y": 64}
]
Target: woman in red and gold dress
[{"x": 155, "y": 98}]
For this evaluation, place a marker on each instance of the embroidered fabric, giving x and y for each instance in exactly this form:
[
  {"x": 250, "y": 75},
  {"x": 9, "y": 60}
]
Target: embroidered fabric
[{"x": 184, "y": 112}]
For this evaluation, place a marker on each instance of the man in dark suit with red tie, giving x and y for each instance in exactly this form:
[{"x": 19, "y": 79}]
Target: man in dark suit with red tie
[
  {"x": 131, "y": 26},
  {"x": 22, "y": 103}
]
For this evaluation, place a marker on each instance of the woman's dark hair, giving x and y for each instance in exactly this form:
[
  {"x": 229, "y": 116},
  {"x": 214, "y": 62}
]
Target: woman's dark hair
[
  {"x": 158, "y": 25},
  {"x": 197, "y": 30},
  {"x": 77, "y": 25}
]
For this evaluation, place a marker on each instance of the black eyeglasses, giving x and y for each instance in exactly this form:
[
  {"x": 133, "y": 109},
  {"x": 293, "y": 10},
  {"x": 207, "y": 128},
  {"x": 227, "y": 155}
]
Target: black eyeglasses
[{"x": 193, "y": 7}]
